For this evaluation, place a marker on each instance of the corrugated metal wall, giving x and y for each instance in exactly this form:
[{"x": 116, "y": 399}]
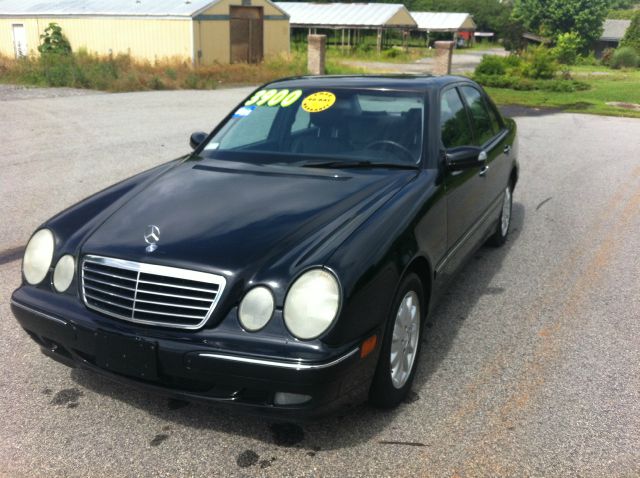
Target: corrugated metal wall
[
  {"x": 205, "y": 39},
  {"x": 148, "y": 39}
]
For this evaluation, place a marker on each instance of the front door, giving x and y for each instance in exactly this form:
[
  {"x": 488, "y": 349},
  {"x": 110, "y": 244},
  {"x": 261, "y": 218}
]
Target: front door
[
  {"x": 20, "y": 41},
  {"x": 246, "y": 34},
  {"x": 464, "y": 188}
]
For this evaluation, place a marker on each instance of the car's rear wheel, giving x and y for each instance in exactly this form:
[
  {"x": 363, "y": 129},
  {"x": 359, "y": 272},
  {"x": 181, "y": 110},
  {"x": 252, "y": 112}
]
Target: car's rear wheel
[
  {"x": 499, "y": 237},
  {"x": 401, "y": 346}
]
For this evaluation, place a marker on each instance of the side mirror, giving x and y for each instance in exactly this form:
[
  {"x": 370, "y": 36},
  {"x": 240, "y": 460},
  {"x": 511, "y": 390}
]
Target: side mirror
[
  {"x": 197, "y": 139},
  {"x": 465, "y": 157}
]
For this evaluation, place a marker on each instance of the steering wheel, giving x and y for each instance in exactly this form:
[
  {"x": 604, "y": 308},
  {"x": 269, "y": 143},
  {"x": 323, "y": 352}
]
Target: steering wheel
[{"x": 388, "y": 142}]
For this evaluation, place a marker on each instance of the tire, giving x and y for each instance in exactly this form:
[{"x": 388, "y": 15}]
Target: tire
[
  {"x": 391, "y": 383},
  {"x": 501, "y": 233}
]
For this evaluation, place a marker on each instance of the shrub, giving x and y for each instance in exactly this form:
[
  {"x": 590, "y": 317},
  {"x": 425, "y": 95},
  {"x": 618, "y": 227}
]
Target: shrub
[
  {"x": 632, "y": 35},
  {"x": 491, "y": 65},
  {"x": 540, "y": 63},
  {"x": 624, "y": 57},
  {"x": 587, "y": 60},
  {"x": 568, "y": 46},
  {"x": 526, "y": 84},
  {"x": 53, "y": 41},
  {"x": 607, "y": 56},
  {"x": 156, "y": 83},
  {"x": 392, "y": 53},
  {"x": 171, "y": 73}
]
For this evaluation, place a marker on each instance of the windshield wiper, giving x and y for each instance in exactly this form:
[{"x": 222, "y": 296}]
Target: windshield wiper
[{"x": 356, "y": 164}]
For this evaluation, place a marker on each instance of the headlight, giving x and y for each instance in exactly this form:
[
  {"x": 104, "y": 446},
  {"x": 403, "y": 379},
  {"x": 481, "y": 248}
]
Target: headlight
[
  {"x": 312, "y": 304},
  {"x": 256, "y": 308},
  {"x": 37, "y": 256},
  {"x": 63, "y": 273}
]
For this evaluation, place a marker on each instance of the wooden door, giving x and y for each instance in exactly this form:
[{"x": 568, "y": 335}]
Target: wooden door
[{"x": 246, "y": 34}]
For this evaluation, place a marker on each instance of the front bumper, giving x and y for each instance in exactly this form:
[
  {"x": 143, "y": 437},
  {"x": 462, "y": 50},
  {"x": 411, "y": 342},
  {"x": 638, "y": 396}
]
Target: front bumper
[{"x": 192, "y": 366}]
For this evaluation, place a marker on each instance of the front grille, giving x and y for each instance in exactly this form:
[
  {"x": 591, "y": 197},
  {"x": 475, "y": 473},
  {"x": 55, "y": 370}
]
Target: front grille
[{"x": 148, "y": 293}]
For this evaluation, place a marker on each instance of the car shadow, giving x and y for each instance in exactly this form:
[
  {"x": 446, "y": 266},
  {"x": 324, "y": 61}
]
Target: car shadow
[{"x": 347, "y": 428}]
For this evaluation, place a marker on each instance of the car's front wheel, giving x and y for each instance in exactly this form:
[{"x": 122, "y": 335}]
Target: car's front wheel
[
  {"x": 499, "y": 237},
  {"x": 401, "y": 346}
]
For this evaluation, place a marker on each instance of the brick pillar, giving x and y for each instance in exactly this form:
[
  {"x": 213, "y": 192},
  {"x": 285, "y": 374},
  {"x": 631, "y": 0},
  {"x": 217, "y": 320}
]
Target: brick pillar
[
  {"x": 444, "y": 51},
  {"x": 316, "y": 54}
]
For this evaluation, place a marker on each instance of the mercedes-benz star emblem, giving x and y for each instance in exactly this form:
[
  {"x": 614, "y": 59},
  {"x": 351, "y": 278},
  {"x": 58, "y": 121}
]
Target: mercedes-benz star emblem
[{"x": 151, "y": 237}]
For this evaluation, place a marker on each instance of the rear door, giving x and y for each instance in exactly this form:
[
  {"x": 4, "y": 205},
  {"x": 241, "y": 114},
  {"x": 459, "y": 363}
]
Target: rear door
[{"x": 491, "y": 137}]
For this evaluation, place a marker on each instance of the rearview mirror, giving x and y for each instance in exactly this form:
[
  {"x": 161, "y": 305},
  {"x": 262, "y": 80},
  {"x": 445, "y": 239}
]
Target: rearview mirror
[
  {"x": 197, "y": 139},
  {"x": 465, "y": 157}
]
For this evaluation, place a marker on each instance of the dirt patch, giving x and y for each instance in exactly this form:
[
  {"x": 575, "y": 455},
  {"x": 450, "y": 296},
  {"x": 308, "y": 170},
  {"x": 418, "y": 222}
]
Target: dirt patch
[{"x": 626, "y": 106}]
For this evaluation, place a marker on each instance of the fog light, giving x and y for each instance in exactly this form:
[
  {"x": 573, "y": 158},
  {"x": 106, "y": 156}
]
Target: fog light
[{"x": 283, "y": 398}]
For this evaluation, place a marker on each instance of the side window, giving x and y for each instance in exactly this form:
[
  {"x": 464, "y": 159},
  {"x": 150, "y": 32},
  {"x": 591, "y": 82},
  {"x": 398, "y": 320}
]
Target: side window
[
  {"x": 454, "y": 122},
  {"x": 479, "y": 114},
  {"x": 495, "y": 122}
]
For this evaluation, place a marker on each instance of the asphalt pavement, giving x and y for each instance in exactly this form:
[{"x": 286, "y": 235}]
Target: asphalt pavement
[{"x": 531, "y": 364}]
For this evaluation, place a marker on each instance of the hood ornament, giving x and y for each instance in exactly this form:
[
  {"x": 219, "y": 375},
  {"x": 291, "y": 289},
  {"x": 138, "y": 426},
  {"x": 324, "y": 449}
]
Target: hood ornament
[{"x": 152, "y": 237}]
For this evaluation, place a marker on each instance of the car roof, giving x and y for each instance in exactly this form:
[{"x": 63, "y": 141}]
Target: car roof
[{"x": 394, "y": 82}]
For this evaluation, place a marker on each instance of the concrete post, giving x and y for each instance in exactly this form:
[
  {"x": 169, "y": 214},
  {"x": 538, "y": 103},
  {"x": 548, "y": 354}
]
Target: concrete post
[
  {"x": 444, "y": 52},
  {"x": 316, "y": 54}
]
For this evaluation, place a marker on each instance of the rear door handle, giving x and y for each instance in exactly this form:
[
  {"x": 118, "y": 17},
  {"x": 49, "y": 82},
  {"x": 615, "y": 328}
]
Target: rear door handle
[{"x": 507, "y": 149}]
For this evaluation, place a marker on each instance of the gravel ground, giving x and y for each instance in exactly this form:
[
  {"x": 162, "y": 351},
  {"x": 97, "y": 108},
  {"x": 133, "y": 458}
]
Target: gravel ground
[
  {"x": 531, "y": 366},
  {"x": 19, "y": 92}
]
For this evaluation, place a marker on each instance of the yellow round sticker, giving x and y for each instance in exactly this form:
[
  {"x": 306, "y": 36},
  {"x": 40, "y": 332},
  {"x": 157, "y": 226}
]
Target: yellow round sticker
[{"x": 319, "y": 101}]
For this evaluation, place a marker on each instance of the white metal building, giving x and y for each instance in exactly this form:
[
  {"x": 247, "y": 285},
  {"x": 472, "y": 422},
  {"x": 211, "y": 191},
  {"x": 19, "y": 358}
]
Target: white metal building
[{"x": 197, "y": 31}]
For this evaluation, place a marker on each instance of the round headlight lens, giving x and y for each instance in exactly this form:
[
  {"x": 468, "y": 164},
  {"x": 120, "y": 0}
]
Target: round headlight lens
[
  {"x": 256, "y": 308},
  {"x": 312, "y": 304},
  {"x": 63, "y": 273},
  {"x": 38, "y": 256}
]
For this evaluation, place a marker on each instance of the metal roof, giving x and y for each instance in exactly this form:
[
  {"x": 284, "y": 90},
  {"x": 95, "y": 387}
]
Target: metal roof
[
  {"x": 443, "y": 21},
  {"x": 159, "y": 8},
  {"x": 342, "y": 15},
  {"x": 614, "y": 30}
]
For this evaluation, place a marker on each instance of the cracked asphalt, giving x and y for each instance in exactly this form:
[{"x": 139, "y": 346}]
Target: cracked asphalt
[{"x": 531, "y": 365}]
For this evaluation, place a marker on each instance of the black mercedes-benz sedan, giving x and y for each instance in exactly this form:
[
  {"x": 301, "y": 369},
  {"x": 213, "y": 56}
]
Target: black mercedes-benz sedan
[{"x": 288, "y": 264}]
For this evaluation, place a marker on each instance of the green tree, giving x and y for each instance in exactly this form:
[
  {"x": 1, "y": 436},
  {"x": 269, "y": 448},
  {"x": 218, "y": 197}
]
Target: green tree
[
  {"x": 568, "y": 47},
  {"x": 551, "y": 18},
  {"x": 53, "y": 41},
  {"x": 632, "y": 35}
]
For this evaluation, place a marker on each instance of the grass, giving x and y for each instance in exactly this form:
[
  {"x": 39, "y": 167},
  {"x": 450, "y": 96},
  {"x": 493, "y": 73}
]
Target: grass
[
  {"x": 122, "y": 73},
  {"x": 366, "y": 51},
  {"x": 389, "y": 55},
  {"x": 613, "y": 86}
]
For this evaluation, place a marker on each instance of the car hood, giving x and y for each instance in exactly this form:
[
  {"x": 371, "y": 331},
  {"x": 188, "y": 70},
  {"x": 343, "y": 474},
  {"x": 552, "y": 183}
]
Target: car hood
[{"x": 234, "y": 218}]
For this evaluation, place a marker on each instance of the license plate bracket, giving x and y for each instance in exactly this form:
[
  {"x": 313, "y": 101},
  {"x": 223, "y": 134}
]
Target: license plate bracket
[{"x": 131, "y": 356}]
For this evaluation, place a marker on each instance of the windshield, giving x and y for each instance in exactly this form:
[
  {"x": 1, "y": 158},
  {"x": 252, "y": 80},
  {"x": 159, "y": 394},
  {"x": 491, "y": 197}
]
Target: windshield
[{"x": 338, "y": 127}]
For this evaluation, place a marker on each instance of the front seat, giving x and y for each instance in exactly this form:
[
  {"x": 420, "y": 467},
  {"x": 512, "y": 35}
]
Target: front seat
[{"x": 330, "y": 136}]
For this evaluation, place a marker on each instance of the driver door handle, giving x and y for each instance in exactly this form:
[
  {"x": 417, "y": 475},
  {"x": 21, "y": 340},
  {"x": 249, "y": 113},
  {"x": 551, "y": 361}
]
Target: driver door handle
[
  {"x": 482, "y": 157},
  {"x": 507, "y": 149}
]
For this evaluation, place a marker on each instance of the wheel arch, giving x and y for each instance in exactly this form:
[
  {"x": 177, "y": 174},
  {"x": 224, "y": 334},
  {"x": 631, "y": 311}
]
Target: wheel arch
[{"x": 421, "y": 266}]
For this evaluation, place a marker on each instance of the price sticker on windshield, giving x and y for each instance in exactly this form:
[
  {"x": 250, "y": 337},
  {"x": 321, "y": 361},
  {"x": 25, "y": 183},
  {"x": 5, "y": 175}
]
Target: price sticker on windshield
[
  {"x": 320, "y": 101},
  {"x": 282, "y": 98}
]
